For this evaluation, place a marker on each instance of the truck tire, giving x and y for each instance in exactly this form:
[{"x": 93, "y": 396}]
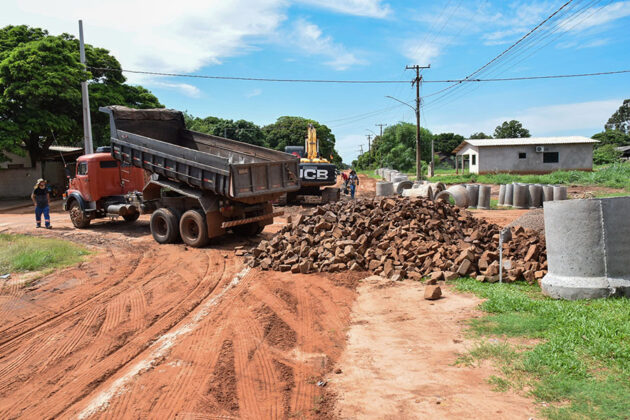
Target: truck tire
[
  {"x": 77, "y": 216},
  {"x": 193, "y": 228},
  {"x": 164, "y": 226}
]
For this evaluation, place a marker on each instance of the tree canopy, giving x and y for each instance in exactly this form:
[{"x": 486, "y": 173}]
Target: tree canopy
[
  {"x": 620, "y": 120},
  {"x": 241, "y": 130},
  {"x": 396, "y": 148},
  {"x": 480, "y": 135},
  {"x": 40, "y": 90},
  {"x": 511, "y": 130}
]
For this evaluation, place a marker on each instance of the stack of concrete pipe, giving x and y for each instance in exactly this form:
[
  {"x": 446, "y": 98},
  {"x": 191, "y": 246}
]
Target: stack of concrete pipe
[{"x": 529, "y": 196}]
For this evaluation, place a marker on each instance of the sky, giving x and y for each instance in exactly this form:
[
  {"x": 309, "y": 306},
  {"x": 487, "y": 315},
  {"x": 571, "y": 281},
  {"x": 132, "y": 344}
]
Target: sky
[{"x": 363, "y": 40}]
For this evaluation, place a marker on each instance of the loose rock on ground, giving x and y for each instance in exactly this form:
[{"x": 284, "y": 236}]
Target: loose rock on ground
[{"x": 401, "y": 238}]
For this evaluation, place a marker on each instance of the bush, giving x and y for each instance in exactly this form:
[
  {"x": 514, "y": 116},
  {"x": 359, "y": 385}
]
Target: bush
[{"x": 606, "y": 154}]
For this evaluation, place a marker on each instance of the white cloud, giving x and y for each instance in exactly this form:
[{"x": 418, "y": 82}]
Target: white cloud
[
  {"x": 185, "y": 88},
  {"x": 422, "y": 51},
  {"x": 348, "y": 146},
  {"x": 253, "y": 93},
  {"x": 583, "y": 118},
  {"x": 311, "y": 38},
  {"x": 170, "y": 36},
  {"x": 368, "y": 8},
  {"x": 596, "y": 16}
]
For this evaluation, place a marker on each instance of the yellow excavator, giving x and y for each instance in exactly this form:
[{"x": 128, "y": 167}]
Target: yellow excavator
[{"x": 316, "y": 172}]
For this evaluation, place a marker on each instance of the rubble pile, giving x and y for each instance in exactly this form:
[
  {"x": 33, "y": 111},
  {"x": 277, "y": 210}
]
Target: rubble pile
[{"x": 400, "y": 238}]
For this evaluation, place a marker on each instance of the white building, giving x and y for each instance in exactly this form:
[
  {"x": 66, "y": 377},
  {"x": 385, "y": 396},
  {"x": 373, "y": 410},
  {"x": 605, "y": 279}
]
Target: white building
[{"x": 532, "y": 155}]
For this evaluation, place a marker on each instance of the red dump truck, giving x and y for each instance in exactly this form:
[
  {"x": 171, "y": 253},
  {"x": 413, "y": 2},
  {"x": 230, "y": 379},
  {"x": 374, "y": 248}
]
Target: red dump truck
[{"x": 197, "y": 186}]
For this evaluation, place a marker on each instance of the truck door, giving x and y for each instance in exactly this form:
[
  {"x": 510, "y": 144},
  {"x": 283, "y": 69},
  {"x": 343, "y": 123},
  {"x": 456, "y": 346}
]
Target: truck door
[{"x": 83, "y": 180}]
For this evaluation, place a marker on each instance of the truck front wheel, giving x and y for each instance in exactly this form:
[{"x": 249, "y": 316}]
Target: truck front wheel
[
  {"x": 78, "y": 216},
  {"x": 193, "y": 228},
  {"x": 164, "y": 227}
]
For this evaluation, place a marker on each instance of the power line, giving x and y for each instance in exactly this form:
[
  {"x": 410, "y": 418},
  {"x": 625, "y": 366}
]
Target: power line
[{"x": 458, "y": 81}]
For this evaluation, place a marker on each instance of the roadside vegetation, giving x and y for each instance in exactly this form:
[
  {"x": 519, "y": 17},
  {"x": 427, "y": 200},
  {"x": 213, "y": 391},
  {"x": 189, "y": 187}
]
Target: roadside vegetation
[
  {"x": 616, "y": 175},
  {"x": 20, "y": 253},
  {"x": 573, "y": 357}
]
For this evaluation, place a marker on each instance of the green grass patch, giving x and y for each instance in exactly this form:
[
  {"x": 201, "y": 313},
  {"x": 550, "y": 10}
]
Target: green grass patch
[
  {"x": 20, "y": 253},
  {"x": 580, "y": 361},
  {"x": 612, "y": 176},
  {"x": 370, "y": 173}
]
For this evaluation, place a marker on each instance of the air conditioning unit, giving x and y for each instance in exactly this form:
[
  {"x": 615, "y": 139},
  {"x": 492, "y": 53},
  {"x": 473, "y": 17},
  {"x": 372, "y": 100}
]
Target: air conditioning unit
[{"x": 540, "y": 149}]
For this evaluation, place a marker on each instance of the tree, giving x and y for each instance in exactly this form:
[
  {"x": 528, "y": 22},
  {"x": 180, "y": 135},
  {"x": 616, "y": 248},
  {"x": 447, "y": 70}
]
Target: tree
[
  {"x": 292, "y": 131},
  {"x": 510, "y": 130},
  {"x": 446, "y": 142},
  {"x": 606, "y": 154},
  {"x": 40, "y": 96},
  {"x": 396, "y": 148},
  {"x": 611, "y": 137},
  {"x": 620, "y": 120},
  {"x": 480, "y": 135},
  {"x": 241, "y": 130}
]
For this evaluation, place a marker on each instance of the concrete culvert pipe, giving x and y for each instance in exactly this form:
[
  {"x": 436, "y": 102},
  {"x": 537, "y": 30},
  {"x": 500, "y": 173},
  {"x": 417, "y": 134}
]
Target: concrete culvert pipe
[
  {"x": 501, "y": 195},
  {"x": 424, "y": 191},
  {"x": 384, "y": 189},
  {"x": 547, "y": 193},
  {"x": 400, "y": 178},
  {"x": 485, "y": 192},
  {"x": 399, "y": 187},
  {"x": 588, "y": 244},
  {"x": 509, "y": 195},
  {"x": 520, "y": 197},
  {"x": 473, "y": 194},
  {"x": 559, "y": 193},
  {"x": 535, "y": 195},
  {"x": 391, "y": 175},
  {"x": 437, "y": 187},
  {"x": 456, "y": 195}
]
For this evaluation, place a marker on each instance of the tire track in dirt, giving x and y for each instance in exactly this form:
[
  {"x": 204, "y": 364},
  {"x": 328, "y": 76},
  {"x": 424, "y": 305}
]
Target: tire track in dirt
[
  {"x": 137, "y": 346},
  {"x": 148, "y": 357},
  {"x": 106, "y": 294},
  {"x": 120, "y": 405}
]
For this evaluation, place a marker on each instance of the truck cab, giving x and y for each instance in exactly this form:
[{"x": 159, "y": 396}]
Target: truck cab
[{"x": 100, "y": 182}]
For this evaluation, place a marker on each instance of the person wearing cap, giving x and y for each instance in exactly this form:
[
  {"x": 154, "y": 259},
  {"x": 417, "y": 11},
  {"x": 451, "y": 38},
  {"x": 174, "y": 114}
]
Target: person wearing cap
[{"x": 41, "y": 198}]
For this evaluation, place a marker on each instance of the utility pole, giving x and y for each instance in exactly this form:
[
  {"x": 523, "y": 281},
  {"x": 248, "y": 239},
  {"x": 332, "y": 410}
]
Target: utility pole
[
  {"x": 417, "y": 80},
  {"x": 381, "y": 125},
  {"x": 361, "y": 146},
  {"x": 369, "y": 137},
  {"x": 87, "y": 122}
]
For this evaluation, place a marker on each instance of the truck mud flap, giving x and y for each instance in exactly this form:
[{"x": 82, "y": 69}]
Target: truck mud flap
[{"x": 247, "y": 220}]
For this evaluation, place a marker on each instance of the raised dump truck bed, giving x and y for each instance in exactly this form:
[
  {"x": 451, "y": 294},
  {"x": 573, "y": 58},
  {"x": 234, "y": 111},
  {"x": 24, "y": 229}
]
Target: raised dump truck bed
[
  {"x": 158, "y": 141},
  {"x": 200, "y": 187}
]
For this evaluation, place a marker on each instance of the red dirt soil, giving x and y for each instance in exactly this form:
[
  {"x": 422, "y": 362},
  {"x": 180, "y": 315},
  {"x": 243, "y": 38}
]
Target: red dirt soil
[{"x": 145, "y": 330}]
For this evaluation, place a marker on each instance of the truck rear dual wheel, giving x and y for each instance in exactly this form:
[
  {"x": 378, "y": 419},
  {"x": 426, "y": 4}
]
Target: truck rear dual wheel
[
  {"x": 193, "y": 228},
  {"x": 164, "y": 226}
]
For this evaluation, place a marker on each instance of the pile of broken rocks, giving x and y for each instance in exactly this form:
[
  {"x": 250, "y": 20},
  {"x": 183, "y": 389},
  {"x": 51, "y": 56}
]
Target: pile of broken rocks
[{"x": 401, "y": 238}]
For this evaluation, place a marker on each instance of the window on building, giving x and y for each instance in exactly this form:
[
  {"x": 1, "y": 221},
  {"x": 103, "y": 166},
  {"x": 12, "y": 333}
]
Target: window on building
[
  {"x": 522, "y": 155},
  {"x": 474, "y": 159},
  {"x": 550, "y": 157},
  {"x": 108, "y": 164},
  {"x": 82, "y": 168}
]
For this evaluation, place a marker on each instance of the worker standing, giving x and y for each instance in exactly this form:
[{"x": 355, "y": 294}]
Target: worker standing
[
  {"x": 353, "y": 181},
  {"x": 344, "y": 178},
  {"x": 41, "y": 200}
]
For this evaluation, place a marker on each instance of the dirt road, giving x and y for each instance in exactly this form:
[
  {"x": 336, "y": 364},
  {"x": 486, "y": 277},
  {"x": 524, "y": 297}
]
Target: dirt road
[{"x": 141, "y": 330}]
